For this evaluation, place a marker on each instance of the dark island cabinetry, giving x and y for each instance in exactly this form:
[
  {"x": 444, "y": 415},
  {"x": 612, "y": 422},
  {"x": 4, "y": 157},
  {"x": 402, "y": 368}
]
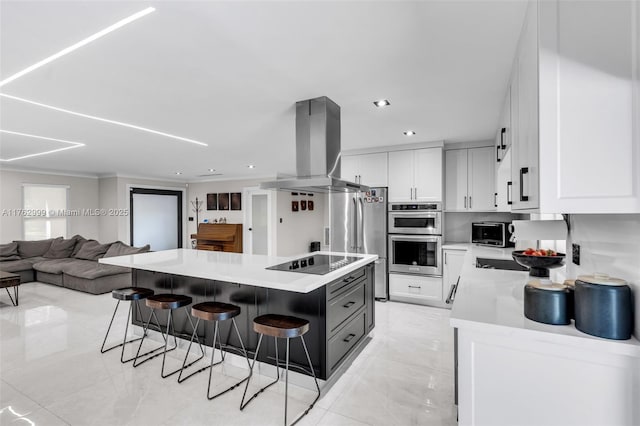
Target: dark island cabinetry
[{"x": 341, "y": 314}]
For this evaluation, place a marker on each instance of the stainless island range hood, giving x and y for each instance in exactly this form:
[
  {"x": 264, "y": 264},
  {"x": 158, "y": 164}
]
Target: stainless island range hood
[{"x": 317, "y": 151}]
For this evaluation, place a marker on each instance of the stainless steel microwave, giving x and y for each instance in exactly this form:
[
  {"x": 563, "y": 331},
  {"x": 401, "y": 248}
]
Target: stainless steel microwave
[{"x": 495, "y": 234}]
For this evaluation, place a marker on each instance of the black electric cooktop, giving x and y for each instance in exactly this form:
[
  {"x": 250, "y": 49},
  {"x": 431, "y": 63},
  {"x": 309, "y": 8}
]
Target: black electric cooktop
[{"x": 317, "y": 264}]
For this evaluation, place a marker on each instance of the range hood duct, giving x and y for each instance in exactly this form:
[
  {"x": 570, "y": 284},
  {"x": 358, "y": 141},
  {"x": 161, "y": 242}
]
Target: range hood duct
[{"x": 317, "y": 151}]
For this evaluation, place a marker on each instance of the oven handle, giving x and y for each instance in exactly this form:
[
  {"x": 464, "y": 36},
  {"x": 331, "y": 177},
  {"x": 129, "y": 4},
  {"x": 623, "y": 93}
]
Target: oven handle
[
  {"x": 412, "y": 214},
  {"x": 425, "y": 238}
]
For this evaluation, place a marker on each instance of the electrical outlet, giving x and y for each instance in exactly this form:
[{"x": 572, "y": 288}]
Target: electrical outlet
[{"x": 575, "y": 248}]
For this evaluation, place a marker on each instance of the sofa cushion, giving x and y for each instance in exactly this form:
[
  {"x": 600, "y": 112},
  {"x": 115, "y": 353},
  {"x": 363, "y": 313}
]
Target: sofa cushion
[
  {"x": 33, "y": 248},
  {"x": 9, "y": 249},
  {"x": 92, "y": 270},
  {"x": 53, "y": 266},
  {"x": 121, "y": 249},
  {"x": 92, "y": 250},
  {"x": 7, "y": 258},
  {"x": 60, "y": 249},
  {"x": 80, "y": 241},
  {"x": 21, "y": 265}
]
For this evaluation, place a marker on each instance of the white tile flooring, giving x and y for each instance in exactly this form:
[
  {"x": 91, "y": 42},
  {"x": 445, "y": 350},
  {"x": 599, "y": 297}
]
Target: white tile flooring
[{"x": 52, "y": 373}]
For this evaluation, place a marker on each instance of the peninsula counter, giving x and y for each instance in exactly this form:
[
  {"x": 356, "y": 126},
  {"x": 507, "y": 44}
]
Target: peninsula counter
[{"x": 338, "y": 305}]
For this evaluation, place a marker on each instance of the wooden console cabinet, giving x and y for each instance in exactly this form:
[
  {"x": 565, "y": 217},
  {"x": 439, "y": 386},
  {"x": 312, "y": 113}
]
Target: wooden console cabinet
[{"x": 219, "y": 237}]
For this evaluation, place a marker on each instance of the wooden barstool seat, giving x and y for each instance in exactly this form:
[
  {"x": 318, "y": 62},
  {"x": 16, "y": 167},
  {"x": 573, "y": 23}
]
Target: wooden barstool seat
[
  {"x": 170, "y": 302},
  {"x": 133, "y": 295},
  {"x": 281, "y": 327},
  {"x": 216, "y": 312}
]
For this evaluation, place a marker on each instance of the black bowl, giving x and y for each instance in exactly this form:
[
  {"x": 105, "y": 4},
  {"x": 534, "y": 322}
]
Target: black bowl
[{"x": 538, "y": 265}]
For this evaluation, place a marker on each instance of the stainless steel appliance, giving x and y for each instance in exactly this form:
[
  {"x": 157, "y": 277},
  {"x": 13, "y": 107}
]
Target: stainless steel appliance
[
  {"x": 421, "y": 219},
  {"x": 415, "y": 254},
  {"x": 317, "y": 264},
  {"x": 415, "y": 238},
  {"x": 359, "y": 225},
  {"x": 494, "y": 234}
]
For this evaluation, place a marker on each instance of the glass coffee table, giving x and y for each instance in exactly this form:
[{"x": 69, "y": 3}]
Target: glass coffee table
[{"x": 7, "y": 279}]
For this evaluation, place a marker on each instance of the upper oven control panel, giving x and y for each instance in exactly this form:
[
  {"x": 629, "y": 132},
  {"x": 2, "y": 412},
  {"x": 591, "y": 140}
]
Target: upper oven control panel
[{"x": 415, "y": 207}]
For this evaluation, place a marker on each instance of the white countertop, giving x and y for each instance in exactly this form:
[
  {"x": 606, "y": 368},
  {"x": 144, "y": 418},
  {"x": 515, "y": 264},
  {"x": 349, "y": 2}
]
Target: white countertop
[
  {"x": 492, "y": 300},
  {"x": 238, "y": 268}
]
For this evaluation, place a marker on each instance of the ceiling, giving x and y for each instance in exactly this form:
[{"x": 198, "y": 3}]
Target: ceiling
[{"x": 229, "y": 73}]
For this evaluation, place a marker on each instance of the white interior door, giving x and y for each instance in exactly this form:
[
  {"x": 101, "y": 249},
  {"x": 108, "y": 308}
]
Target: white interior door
[
  {"x": 257, "y": 228},
  {"x": 156, "y": 218}
]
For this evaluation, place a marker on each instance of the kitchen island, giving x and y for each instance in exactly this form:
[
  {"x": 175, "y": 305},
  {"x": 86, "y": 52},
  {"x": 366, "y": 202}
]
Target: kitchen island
[
  {"x": 512, "y": 370},
  {"x": 339, "y": 305}
]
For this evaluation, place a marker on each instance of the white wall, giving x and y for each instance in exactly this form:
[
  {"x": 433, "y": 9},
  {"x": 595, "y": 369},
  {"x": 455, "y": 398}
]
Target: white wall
[
  {"x": 108, "y": 199},
  {"x": 457, "y": 226},
  {"x": 608, "y": 244},
  {"x": 83, "y": 194},
  {"x": 299, "y": 228}
]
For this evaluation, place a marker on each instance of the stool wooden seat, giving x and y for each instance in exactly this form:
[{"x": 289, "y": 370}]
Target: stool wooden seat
[
  {"x": 283, "y": 327},
  {"x": 131, "y": 294},
  {"x": 280, "y": 326},
  {"x": 168, "y": 301},
  {"x": 216, "y": 312}
]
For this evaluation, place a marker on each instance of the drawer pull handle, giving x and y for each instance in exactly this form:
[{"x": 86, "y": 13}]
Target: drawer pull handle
[
  {"x": 349, "y": 304},
  {"x": 415, "y": 286},
  {"x": 349, "y": 338},
  {"x": 348, "y": 280}
]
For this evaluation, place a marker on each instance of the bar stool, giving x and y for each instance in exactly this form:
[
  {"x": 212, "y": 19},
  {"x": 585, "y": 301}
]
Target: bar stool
[
  {"x": 214, "y": 311},
  {"x": 133, "y": 295},
  {"x": 170, "y": 302},
  {"x": 284, "y": 327}
]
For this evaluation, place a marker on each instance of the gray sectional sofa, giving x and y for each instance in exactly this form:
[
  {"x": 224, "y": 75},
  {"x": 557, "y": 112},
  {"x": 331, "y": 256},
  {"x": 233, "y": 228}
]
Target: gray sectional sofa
[{"x": 71, "y": 263}]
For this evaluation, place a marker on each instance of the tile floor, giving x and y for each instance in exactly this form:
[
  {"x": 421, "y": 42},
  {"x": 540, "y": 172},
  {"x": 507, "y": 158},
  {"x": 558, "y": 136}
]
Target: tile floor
[{"x": 52, "y": 373}]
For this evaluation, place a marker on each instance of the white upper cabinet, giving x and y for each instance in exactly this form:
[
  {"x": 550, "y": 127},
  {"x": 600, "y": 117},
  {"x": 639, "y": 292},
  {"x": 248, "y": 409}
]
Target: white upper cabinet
[
  {"x": 470, "y": 182},
  {"x": 504, "y": 188},
  {"x": 575, "y": 93},
  {"x": 415, "y": 175},
  {"x": 367, "y": 169}
]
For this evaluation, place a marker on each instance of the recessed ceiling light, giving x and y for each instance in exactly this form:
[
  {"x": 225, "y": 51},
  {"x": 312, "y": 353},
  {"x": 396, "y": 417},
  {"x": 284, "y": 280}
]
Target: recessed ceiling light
[
  {"x": 105, "y": 120},
  {"x": 382, "y": 103},
  {"x": 212, "y": 170},
  {"x": 178, "y": 173},
  {"x": 78, "y": 45},
  {"x": 251, "y": 166},
  {"x": 409, "y": 133},
  {"x": 73, "y": 145}
]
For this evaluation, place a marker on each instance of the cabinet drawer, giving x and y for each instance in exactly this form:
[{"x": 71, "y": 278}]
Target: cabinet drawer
[
  {"x": 340, "y": 283},
  {"x": 345, "y": 339},
  {"x": 416, "y": 286},
  {"x": 343, "y": 306}
]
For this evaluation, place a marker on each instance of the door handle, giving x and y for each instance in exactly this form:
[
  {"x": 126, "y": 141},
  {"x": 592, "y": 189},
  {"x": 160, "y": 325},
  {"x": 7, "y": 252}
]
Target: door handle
[
  {"x": 509, "y": 184},
  {"x": 415, "y": 193},
  {"x": 495, "y": 199},
  {"x": 502, "y": 133},
  {"x": 498, "y": 153},
  {"x": 349, "y": 338},
  {"x": 465, "y": 201},
  {"x": 523, "y": 171},
  {"x": 445, "y": 257},
  {"x": 470, "y": 201},
  {"x": 415, "y": 286},
  {"x": 348, "y": 304}
]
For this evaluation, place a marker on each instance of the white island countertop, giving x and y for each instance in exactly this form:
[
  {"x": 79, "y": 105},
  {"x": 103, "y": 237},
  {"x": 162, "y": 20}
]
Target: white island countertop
[
  {"x": 492, "y": 300},
  {"x": 237, "y": 268}
]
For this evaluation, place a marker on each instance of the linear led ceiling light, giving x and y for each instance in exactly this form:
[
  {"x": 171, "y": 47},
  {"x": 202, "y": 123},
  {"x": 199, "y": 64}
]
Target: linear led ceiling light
[
  {"x": 73, "y": 145},
  {"x": 105, "y": 120},
  {"x": 78, "y": 45}
]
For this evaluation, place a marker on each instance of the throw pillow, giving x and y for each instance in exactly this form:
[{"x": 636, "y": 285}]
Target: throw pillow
[
  {"x": 121, "y": 249},
  {"x": 9, "y": 249},
  {"x": 60, "y": 249},
  {"x": 92, "y": 250},
  {"x": 80, "y": 241},
  {"x": 33, "y": 248}
]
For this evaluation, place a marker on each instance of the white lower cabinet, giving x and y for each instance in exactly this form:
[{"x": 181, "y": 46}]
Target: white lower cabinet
[{"x": 419, "y": 289}]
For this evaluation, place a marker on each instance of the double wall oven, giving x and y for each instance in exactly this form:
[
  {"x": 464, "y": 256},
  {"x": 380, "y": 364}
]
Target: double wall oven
[{"x": 415, "y": 238}]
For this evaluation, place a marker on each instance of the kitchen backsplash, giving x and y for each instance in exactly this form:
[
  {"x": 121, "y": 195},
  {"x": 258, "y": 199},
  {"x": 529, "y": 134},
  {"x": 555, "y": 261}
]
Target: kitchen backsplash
[{"x": 608, "y": 244}]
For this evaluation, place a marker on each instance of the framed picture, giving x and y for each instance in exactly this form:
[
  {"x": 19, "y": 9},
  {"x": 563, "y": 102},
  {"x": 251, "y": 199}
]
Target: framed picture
[
  {"x": 310, "y": 205},
  {"x": 212, "y": 201},
  {"x": 303, "y": 204},
  {"x": 294, "y": 206},
  {"x": 236, "y": 201},
  {"x": 223, "y": 201}
]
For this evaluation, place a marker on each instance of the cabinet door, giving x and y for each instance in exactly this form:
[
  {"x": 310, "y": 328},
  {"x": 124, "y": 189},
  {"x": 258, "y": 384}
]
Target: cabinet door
[
  {"x": 373, "y": 169},
  {"x": 503, "y": 184},
  {"x": 428, "y": 174},
  {"x": 349, "y": 168},
  {"x": 453, "y": 263},
  {"x": 481, "y": 185},
  {"x": 400, "y": 176},
  {"x": 456, "y": 180},
  {"x": 525, "y": 172}
]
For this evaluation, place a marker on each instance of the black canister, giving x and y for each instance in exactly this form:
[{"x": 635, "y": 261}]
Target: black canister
[
  {"x": 547, "y": 303},
  {"x": 603, "y": 307},
  {"x": 314, "y": 246}
]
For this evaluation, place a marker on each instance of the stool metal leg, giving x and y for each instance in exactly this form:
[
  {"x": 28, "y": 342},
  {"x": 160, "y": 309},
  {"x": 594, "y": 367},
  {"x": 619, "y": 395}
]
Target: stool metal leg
[
  {"x": 314, "y": 378},
  {"x": 209, "y": 396},
  {"x": 242, "y": 403},
  {"x": 184, "y": 363},
  {"x": 286, "y": 382},
  {"x": 166, "y": 338},
  {"x": 124, "y": 339}
]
